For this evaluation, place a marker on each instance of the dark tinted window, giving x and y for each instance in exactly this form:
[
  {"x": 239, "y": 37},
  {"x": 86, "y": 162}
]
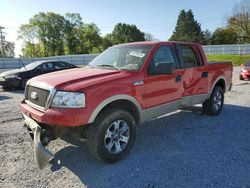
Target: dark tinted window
[
  {"x": 161, "y": 61},
  {"x": 201, "y": 62},
  {"x": 42, "y": 67},
  {"x": 61, "y": 65},
  {"x": 50, "y": 66},
  {"x": 189, "y": 58},
  {"x": 164, "y": 54}
]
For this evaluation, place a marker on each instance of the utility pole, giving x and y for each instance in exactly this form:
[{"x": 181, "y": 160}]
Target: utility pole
[{"x": 2, "y": 40}]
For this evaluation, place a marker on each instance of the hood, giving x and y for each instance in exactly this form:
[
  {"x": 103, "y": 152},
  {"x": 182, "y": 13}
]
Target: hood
[
  {"x": 11, "y": 72},
  {"x": 76, "y": 79}
]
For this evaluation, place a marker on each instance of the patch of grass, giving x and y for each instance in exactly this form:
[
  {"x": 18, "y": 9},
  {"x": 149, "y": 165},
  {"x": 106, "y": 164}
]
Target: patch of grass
[{"x": 237, "y": 60}]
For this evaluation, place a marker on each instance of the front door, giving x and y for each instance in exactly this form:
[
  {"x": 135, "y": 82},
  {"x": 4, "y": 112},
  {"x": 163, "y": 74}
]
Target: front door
[{"x": 165, "y": 88}]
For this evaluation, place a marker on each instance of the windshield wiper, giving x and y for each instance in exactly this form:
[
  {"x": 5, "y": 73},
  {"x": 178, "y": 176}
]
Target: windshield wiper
[{"x": 106, "y": 65}]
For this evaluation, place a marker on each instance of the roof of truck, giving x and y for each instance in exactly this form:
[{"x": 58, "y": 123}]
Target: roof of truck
[{"x": 157, "y": 43}]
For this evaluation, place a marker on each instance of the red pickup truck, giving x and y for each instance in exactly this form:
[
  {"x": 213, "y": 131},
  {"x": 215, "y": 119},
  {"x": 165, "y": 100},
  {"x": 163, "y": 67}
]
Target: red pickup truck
[{"x": 124, "y": 86}]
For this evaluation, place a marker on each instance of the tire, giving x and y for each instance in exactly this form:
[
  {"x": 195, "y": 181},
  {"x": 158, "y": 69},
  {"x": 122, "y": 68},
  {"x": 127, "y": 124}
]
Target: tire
[
  {"x": 241, "y": 77},
  {"x": 214, "y": 105},
  {"x": 107, "y": 136}
]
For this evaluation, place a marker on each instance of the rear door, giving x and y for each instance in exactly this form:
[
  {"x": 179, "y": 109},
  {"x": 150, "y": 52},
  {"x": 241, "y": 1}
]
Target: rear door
[
  {"x": 195, "y": 75},
  {"x": 163, "y": 89}
]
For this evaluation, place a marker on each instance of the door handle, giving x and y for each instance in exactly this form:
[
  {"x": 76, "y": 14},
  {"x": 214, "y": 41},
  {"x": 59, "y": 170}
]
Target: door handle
[
  {"x": 204, "y": 74},
  {"x": 178, "y": 78}
]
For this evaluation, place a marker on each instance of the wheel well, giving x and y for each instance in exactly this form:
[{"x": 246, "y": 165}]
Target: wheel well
[
  {"x": 222, "y": 84},
  {"x": 125, "y": 105}
]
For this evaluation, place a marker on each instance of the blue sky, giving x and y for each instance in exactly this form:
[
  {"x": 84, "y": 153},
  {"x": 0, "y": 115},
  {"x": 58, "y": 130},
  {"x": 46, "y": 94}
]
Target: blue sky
[{"x": 157, "y": 17}]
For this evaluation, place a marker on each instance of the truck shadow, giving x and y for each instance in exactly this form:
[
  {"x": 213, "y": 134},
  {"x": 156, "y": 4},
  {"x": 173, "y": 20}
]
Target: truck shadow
[{"x": 167, "y": 149}]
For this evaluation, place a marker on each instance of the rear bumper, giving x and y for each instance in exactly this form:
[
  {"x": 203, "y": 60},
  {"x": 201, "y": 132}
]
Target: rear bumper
[
  {"x": 57, "y": 116},
  {"x": 41, "y": 155}
]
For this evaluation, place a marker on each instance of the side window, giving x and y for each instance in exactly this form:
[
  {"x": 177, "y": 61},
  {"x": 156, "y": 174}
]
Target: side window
[
  {"x": 163, "y": 61},
  {"x": 50, "y": 66},
  {"x": 66, "y": 65},
  {"x": 189, "y": 58},
  {"x": 201, "y": 62},
  {"x": 164, "y": 55},
  {"x": 59, "y": 65},
  {"x": 42, "y": 67}
]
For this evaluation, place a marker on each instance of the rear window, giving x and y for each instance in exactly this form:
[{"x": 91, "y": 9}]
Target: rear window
[{"x": 189, "y": 58}]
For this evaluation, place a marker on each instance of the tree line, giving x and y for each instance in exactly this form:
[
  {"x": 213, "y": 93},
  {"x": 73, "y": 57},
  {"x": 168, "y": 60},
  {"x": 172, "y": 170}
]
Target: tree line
[
  {"x": 51, "y": 34},
  {"x": 237, "y": 30}
]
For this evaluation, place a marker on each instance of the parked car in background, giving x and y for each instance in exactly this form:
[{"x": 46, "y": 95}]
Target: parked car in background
[
  {"x": 18, "y": 78},
  {"x": 245, "y": 71}
]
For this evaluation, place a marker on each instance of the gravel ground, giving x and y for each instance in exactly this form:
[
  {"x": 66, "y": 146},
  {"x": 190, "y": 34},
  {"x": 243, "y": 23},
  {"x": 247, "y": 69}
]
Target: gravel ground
[{"x": 182, "y": 149}]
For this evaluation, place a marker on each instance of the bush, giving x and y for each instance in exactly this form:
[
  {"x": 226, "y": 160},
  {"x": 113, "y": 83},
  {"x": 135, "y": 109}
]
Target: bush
[{"x": 237, "y": 60}]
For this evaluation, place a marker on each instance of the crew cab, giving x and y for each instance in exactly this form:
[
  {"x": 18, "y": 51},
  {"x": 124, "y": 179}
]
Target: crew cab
[{"x": 121, "y": 88}]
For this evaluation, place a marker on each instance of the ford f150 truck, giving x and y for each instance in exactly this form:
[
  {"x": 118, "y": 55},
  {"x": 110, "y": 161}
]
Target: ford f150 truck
[{"x": 124, "y": 86}]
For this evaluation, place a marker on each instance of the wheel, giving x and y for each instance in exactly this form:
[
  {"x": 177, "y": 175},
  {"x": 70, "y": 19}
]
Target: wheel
[
  {"x": 23, "y": 83},
  {"x": 112, "y": 135},
  {"x": 214, "y": 104},
  {"x": 241, "y": 77}
]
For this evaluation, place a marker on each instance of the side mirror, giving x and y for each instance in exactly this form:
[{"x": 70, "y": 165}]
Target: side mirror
[{"x": 161, "y": 68}]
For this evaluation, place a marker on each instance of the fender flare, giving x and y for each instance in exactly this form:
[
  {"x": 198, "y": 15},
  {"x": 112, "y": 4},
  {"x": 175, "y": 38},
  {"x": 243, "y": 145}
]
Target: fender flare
[
  {"x": 215, "y": 82},
  {"x": 109, "y": 100}
]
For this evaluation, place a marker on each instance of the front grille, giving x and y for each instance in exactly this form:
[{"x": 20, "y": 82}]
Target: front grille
[{"x": 42, "y": 95}]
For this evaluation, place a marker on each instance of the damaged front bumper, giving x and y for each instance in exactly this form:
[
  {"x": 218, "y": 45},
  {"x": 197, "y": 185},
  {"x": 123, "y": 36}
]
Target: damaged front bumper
[{"x": 41, "y": 155}]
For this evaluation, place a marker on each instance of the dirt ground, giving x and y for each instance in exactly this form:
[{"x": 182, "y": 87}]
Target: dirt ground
[{"x": 182, "y": 149}]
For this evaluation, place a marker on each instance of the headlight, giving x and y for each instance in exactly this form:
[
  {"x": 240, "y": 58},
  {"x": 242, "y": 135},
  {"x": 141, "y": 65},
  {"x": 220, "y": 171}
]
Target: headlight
[
  {"x": 10, "y": 77},
  {"x": 64, "y": 99}
]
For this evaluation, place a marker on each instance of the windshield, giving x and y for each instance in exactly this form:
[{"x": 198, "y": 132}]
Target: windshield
[
  {"x": 129, "y": 57},
  {"x": 31, "y": 65}
]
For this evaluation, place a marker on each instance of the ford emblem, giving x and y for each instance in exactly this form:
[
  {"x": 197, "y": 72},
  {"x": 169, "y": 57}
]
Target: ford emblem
[{"x": 34, "y": 95}]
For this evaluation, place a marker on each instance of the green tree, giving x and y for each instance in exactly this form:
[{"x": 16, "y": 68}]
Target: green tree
[
  {"x": 50, "y": 34},
  {"x": 208, "y": 37},
  {"x": 28, "y": 34},
  {"x": 124, "y": 33},
  {"x": 149, "y": 37},
  {"x": 72, "y": 39},
  {"x": 240, "y": 20},
  {"x": 91, "y": 38},
  {"x": 7, "y": 49},
  {"x": 225, "y": 36},
  {"x": 43, "y": 35},
  {"x": 50, "y": 28},
  {"x": 187, "y": 28},
  {"x": 107, "y": 41}
]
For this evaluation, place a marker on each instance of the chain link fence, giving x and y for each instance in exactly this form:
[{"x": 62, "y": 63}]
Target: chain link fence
[
  {"x": 236, "y": 49},
  {"x": 14, "y": 63}
]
